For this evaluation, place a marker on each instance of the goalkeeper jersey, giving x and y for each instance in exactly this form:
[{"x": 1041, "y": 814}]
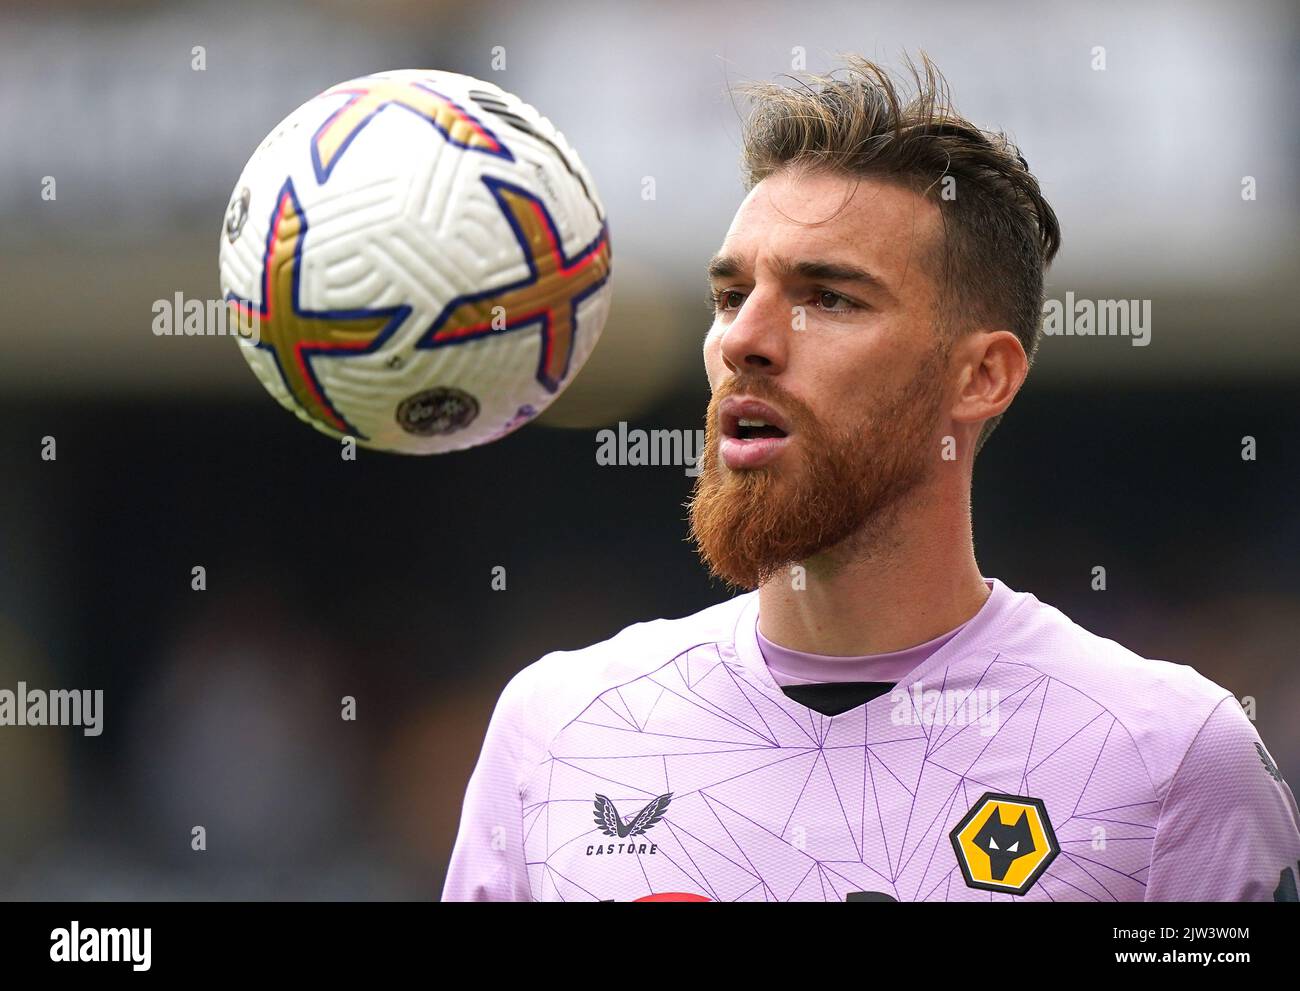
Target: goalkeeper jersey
[{"x": 1025, "y": 758}]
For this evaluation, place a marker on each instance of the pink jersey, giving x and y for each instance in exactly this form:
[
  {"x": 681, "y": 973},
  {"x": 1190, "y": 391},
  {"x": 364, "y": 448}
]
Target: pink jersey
[{"x": 1024, "y": 758}]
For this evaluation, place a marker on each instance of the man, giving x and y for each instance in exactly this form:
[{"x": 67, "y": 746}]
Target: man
[{"x": 877, "y": 721}]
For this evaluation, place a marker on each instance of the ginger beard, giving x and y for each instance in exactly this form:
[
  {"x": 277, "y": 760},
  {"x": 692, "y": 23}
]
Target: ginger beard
[{"x": 830, "y": 487}]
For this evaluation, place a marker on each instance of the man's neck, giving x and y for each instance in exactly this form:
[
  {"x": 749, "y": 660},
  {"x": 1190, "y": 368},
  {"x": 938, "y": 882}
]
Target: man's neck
[{"x": 917, "y": 582}]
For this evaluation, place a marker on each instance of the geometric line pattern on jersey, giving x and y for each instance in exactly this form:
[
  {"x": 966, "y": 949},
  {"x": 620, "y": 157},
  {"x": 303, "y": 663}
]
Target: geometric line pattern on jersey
[
  {"x": 547, "y": 297},
  {"x": 295, "y": 337},
  {"x": 450, "y": 119},
  {"x": 772, "y": 800}
]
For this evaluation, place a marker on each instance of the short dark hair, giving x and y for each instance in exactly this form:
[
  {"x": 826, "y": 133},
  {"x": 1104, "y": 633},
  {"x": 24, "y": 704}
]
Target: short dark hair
[{"x": 1000, "y": 234}]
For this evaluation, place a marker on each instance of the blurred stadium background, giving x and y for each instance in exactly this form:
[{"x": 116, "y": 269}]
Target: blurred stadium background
[{"x": 372, "y": 579}]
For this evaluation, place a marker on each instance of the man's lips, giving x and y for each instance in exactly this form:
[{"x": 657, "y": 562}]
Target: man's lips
[
  {"x": 733, "y": 409},
  {"x": 753, "y": 433}
]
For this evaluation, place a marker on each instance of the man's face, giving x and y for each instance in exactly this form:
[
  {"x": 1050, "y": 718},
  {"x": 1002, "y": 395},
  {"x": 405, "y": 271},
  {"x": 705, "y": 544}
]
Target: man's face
[{"x": 825, "y": 331}]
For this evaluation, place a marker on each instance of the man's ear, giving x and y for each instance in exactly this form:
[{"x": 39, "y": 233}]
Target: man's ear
[{"x": 993, "y": 367}]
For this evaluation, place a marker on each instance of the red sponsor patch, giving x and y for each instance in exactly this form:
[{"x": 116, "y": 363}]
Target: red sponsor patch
[{"x": 673, "y": 896}]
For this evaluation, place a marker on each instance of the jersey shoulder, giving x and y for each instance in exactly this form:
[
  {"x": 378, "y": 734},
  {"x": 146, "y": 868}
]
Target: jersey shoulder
[
  {"x": 1161, "y": 704},
  {"x": 544, "y": 696}
]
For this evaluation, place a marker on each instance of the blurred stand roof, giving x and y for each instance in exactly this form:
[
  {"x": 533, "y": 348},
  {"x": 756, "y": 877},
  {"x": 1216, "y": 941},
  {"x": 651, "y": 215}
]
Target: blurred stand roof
[{"x": 1143, "y": 162}]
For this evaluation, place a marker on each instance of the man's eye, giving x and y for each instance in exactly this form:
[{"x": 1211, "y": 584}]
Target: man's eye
[
  {"x": 826, "y": 300},
  {"x": 726, "y": 299}
]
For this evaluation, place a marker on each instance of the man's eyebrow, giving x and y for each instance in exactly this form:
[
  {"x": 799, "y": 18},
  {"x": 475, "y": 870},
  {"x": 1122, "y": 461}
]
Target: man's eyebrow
[
  {"x": 730, "y": 266},
  {"x": 823, "y": 271},
  {"x": 724, "y": 267}
]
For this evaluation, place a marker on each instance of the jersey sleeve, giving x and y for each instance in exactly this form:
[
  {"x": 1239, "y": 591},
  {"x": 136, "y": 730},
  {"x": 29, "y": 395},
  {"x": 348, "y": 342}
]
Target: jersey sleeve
[
  {"x": 1228, "y": 828},
  {"x": 487, "y": 862}
]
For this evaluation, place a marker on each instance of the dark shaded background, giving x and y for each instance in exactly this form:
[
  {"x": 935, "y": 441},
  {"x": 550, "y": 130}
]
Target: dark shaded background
[{"x": 372, "y": 579}]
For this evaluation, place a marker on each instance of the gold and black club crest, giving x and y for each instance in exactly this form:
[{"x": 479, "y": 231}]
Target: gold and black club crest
[{"x": 1004, "y": 843}]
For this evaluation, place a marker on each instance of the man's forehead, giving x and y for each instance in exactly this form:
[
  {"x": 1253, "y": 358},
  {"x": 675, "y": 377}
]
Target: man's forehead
[{"x": 861, "y": 220}]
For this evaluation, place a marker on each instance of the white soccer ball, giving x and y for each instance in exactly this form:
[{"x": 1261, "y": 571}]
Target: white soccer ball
[{"x": 416, "y": 259}]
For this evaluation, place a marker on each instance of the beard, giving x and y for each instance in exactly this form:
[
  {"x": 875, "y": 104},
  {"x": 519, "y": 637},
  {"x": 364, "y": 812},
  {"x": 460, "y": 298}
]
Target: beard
[{"x": 843, "y": 493}]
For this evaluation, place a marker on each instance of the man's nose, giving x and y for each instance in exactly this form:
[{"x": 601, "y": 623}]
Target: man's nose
[{"x": 758, "y": 338}]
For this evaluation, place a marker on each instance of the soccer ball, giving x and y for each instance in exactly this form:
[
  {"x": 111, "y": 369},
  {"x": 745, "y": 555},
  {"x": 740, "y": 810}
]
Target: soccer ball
[{"x": 416, "y": 259}]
